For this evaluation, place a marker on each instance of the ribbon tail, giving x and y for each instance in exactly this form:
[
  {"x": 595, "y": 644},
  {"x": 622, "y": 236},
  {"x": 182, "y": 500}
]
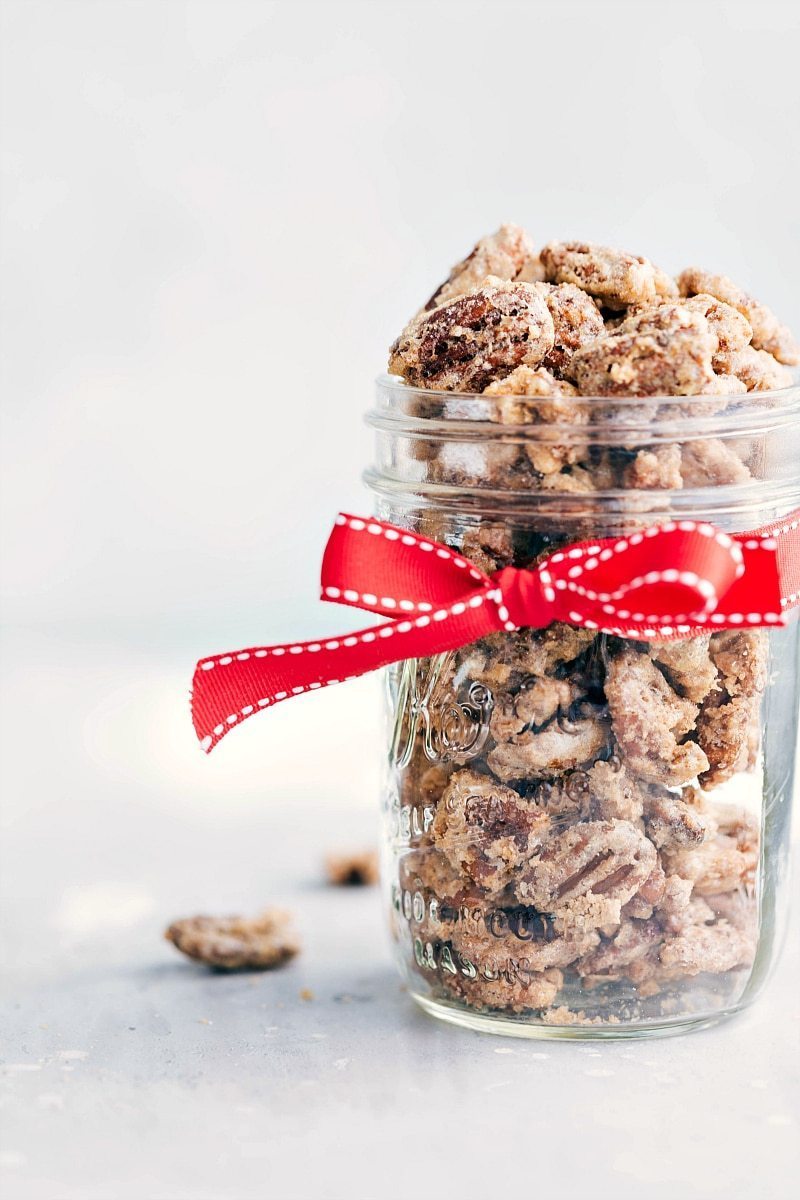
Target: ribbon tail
[{"x": 229, "y": 688}]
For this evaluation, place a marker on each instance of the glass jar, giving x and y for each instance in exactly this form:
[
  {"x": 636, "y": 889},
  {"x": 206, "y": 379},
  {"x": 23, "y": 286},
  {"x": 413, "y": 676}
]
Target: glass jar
[{"x": 587, "y": 836}]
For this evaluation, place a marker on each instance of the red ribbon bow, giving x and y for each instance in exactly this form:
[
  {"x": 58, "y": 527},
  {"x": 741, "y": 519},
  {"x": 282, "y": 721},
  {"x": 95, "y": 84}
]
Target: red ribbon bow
[{"x": 670, "y": 581}]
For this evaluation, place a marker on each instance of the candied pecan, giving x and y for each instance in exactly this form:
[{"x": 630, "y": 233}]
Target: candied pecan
[
  {"x": 731, "y": 329},
  {"x": 503, "y": 254},
  {"x": 768, "y": 333},
  {"x": 711, "y": 463},
  {"x": 515, "y": 406},
  {"x": 714, "y": 948},
  {"x": 612, "y": 793},
  {"x": 531, "y": 383},
  {"x": 687, "y": 665},
  {"x": 651, "y": 892},
  {"x": 236, "y": 943},
  {"x": 633, "y": 941},
  {"x": 469, "y": 342},
  {"x": 559, "y": 747},
  {"x": 756, "y": 369},
  {"x": 722, "y": 385},
  {"x": 535, "y": 704},
  {"x": 488, "y": 546},
  {"x": 427, "y": 869},
  {"x": 575, "y": 480},
  {"x": 609, "y": 859},
  {"x": 521, "y": 930},
  {"x": 723, "y": 862},
  {"x": 576, "y": 321},
  {"x": 672, "y": 910},
  {"x": 506, "y": 983},
  {"x": 659, "y": 468},
  {"x": 485, "y": 829},
  {"x": 650, "y": 720},
  {"x": 588, "y": 912},
  {"x": 738, "y": 908},
  {"x": 662, "y": 351},
  {"x": 728, "y": 721},
  {"x": 616, "y": 278},
  {"x": 670, "y": 821},
  {"x": 475, "y": 464},
  {"x": 740, "y": 656},
  {"x": 357, "y": 869},
  {"x": 724, "y": 731},
  {"x": 541, "y": 651}
]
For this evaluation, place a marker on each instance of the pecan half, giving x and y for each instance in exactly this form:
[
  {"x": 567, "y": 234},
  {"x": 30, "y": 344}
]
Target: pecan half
[{"x": 471, "y": 341}]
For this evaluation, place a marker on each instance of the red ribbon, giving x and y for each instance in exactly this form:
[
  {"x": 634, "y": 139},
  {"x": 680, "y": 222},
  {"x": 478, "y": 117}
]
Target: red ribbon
[{"x": 670, "y": 581}]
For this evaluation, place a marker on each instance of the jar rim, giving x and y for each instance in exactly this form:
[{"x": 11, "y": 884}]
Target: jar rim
[{"x": 469, "y": 415}]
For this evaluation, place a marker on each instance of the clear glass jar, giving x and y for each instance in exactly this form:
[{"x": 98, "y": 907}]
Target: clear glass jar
[{"x": 587, "y": 836}]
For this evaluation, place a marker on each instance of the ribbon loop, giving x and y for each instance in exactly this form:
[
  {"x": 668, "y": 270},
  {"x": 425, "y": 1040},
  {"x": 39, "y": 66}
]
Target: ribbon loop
[{"x": 671, "y": 581}]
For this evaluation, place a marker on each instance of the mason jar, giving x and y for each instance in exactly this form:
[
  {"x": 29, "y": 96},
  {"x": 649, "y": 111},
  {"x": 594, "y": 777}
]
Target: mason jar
[{"x": 586, "y": 835}]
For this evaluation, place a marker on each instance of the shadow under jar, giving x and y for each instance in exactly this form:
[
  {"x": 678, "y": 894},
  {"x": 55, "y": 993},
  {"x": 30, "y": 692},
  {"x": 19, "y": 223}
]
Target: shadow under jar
[{"x": 585, "y": 835}]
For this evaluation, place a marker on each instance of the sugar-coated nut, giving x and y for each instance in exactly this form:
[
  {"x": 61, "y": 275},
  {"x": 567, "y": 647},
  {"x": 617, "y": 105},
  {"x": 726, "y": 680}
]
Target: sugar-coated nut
[
  {"x": 479, "y": 337},
  {"x": 768, "y": 333},
  {"x": 724, "y": 862},
  {"x": 710, "y": 462},
  {"x": 730, "y": 714},
  {"x": 633, "y": 941},
  {"x": 612, "y": 792},
  {"x": 756, "y": 369},
  {"x": 531, "y": 396},
  {"x": 557, "y": 748},
  {"x": 716, "y": 948},
  {"x": 576, "y": 321},
  {"x": 670, "y": 821},
  {"x": 650, "y": 721},
  {"x": 731, "y": 329},
  {"x": 721, "y": 385},
  {"x": 617, "y": 279},
  {"x": 535, "y": 704},
  {"x": 486, "y": 830},
  {"x": 504, "y": 254},
  {"x": 505, "y": 984},
  {"x": 489, "y": 546},
  {"x": 236, "y": 943},
  {"x": 655, "y": 469},
  {"x": 358, "y": 868},
  {"x": 663, "y": 351},
  {"x": 502, "y": 466},
  {"x": 672, "y": 910},
  {"x": 688, "y": 665},
  {"x": 428, "y": 871},
  {"x": 608, "y": 859}
]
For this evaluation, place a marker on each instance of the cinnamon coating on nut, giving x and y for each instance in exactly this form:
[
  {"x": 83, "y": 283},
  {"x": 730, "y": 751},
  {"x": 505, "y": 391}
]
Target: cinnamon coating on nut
[
  {"x": 467, "y": 343},
  {"x": 651, "y": 721},
  {"x": 486, "y": 830},
  {"x": 503, "y": 254},
  {"x": 730, "y": 712},
  {"x": 576, "y": 321},
  {"x": 688, "y": 665},
  {"x": 551, "y": 751},
  {"x": 236, "y": 943},
  {"x": 768, "y": 333},
  {"x": 606, "y": 859},
  {"x": 617, "y": 279},
  {"x": 664, "y": 351}
]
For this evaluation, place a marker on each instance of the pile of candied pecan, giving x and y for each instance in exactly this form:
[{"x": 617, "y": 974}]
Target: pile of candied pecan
[{"x": 581, "y": 848}]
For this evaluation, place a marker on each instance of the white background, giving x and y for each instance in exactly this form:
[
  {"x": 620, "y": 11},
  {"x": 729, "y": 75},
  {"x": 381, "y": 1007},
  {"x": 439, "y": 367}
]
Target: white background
[{"x": 215, "y": 218}]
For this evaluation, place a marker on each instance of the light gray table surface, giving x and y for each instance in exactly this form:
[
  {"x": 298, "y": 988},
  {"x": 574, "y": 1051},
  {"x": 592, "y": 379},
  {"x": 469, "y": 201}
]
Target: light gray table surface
[{"x": 128, "y": 1072}]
